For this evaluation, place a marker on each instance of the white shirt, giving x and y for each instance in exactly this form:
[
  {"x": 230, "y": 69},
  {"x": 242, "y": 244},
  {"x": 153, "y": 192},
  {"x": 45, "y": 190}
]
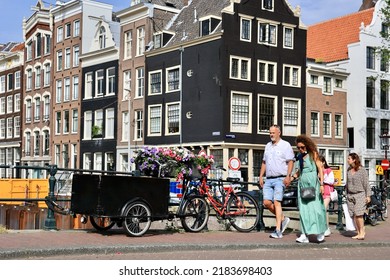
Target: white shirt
[{"x": 276, "y": 158}]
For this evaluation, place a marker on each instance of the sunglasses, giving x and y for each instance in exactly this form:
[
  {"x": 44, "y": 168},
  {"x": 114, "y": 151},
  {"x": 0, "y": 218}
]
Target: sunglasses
[{"x": 301, "y": 147}]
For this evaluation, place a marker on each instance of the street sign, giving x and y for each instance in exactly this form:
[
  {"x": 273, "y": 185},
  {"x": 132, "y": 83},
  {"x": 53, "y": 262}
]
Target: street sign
[
  {"x": 379, "y": 170},
  {"x": 234, "y": 163},
  {"x": 385, "y": 164}
]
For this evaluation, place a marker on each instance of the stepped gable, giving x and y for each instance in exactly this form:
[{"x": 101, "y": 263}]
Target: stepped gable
[
  {"x": 328, "y": 41},
  {"x": 186, "y": 26}
]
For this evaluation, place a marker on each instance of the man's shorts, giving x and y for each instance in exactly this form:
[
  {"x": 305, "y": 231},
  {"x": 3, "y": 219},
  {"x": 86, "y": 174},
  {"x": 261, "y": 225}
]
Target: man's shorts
[{"x": 273, "y": 189}]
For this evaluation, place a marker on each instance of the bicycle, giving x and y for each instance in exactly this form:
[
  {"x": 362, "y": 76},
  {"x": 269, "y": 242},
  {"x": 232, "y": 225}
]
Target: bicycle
[{"x": 239, "y": 208}]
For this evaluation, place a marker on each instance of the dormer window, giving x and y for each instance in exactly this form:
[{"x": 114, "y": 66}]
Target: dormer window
[
  {"x": 208, "y": 25},
  {"x": 161, "y": 39},
  {"x": 268, "y": 5},
  {"x": 102, "y": 37}
]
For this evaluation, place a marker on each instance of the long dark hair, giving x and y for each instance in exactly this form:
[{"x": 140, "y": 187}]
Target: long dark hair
[
  {"x": 356, "y": 158},
  {"x": 322, "y": 159}
]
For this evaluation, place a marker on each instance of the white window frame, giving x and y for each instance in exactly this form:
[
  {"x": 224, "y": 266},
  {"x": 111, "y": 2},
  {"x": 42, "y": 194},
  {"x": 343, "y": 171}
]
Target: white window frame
[
  {"x": 67, "y": 58},
  {"x": 266, "y": 73},
  {"x": 17, "y": 102},
  {"x": 167, "y": 117},
  {"x": 289, "y": 127},
  {"x": 317, "y": 127},
  {"x": 140, "y": 41},
  {"x": 140, "y": 82},
  {"x": 99, "y": 82},
  {"x": 330, "y": 125},
  {"x": 76, "y": 28},
  {"x": 17, "y": 79},
  {"x": 286, "y": 39},
  {"x": 152, "y": 87},
  {"x": 75, "y": 87},
  {"x": 336, "y": 135},
  {"x": 88, "y": 85},
  {"x": 265, "y": 130},
  {"x": 158, "y": 117},
  {"x": 125, "y": 126},
  {"x": 88, "y": 125},
  {"x": 60, "y": 34},
  {"x": 292, "y": 70},
  {"x": 110, "y": 123},
  {"x": 264, "y": 7},
  {"x": 138, "y": 125},
  {"x": 271, "y": 33},
  {"x": 75, "y": 121},
  {"x": 128, "y": 44},
  {"x": 249, "y": 19},
  {"x": 240, "y": 61},
  {"x": 246, "y": 125},
  {"x": 111, "y": 81},
  {"x": 76, "y": 55}
]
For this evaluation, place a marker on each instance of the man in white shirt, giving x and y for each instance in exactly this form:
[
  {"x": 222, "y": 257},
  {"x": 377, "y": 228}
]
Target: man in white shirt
[{"x": 277, "y": 165}]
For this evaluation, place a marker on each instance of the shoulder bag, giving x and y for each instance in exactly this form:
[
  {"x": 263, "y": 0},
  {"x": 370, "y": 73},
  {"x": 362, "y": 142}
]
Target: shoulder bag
[{"x": 308, "y": 193}]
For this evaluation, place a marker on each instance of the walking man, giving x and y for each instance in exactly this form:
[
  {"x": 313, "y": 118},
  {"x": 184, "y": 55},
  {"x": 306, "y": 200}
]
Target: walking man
[{"x": 278, "y": 161}]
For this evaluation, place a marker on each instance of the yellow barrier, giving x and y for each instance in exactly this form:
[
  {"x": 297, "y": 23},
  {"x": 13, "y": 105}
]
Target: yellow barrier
[{"x": 24, "y": 189}]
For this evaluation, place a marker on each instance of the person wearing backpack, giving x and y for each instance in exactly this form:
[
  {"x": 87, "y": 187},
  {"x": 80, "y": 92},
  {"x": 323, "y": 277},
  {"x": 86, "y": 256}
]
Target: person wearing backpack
[{"x": 328, "y": 188}]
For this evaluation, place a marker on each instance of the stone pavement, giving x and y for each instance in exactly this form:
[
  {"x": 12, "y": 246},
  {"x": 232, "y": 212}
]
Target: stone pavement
[{"x": 39, "y": 243}]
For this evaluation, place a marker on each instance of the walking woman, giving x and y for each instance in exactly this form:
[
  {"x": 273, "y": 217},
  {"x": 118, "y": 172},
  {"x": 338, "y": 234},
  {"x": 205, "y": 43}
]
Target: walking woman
[
  {"x": 358, "y": 193},
  {"x": 309, "y": 172}
]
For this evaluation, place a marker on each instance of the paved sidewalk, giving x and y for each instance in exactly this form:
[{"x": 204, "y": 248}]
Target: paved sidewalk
[{"x": 40, "y": 243}]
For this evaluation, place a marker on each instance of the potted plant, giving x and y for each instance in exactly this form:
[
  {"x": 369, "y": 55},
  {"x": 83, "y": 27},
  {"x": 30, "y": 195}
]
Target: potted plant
[{"x": 97, "y": 131}]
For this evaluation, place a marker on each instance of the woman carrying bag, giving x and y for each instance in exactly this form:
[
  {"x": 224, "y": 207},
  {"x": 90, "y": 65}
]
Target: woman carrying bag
[{"x": 312, "y": 212}]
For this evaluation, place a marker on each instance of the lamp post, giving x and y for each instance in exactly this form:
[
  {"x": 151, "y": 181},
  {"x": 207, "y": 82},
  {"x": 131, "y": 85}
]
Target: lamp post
[
  {"x": 385, "y": 146},
  {"x": 129, "y": 128}
]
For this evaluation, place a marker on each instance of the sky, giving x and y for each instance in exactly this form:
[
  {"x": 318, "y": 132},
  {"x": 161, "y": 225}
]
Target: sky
[{"x": 12, "y": 13}]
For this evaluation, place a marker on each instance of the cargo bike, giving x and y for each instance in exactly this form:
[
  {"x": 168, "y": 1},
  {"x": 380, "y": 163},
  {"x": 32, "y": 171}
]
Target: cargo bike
[{"x": 134, "y": 202}]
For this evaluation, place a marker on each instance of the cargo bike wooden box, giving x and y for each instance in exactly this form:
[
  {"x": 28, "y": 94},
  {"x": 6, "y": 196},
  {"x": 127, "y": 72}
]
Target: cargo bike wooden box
[{"x": 131, "y": 202}]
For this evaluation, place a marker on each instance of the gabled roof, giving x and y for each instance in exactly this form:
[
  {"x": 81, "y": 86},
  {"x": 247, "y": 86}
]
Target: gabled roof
[
  {"x": 187, "y": 26},
  {"x": 328, "y": 41}
]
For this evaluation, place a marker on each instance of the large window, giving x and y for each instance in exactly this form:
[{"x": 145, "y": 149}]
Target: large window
[
  {"x": 75, "y": 120},
  {"x": 155, "y": 120},
  {"x": 88, "y": 86},
  {"x": 173, "y": 79},
  {"x": 338, "y": 125},
  {"x": 266, "y": 112},
  {"x": 291, "y": 119},
  {"x": 326, "y": 124},
  {"x": 291, "y": 75},
  {"x": 370, "y": 63},
  {"x": 384, "y": 126},
  {"x": 246, "y": 29},
  {"x": 140, "y": 41},
  {"x": 384, "y": 94},
  {"x": 99, "y": 82},
  {"x": 87, "y": 125},
  {"x": 370, "y": 134},
  {"x": 314, "y": 124},
  {"x": 128, "y": 45},
  {"x": 370, "y": 93},
  {"x": 110, "y": 122},
  {"x": 111, "y": 77},
  {"x": 268, "y": 33},
  {"x": 240, "y": 68},
  {"x": 155, "y": 82},
  {"x": 102, "y": 37},
  {"x": 327, "y": 88},
  {"x": 288, "y": 37},
  {"x": 173, "y": 118},
  {"x": 241, "y": 112},
  {"x": 140, "y": 83},
  {"x": 139, "y": 124},
  {"x": 267, "y": 72}
]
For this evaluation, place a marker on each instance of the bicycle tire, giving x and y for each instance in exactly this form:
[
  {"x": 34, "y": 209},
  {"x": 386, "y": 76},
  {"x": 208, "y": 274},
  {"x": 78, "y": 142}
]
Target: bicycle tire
[
  {"x": 243, "y": 222},
  {"x": 194, "y": 214},
  {"x": 101, "y": 223},
  {"x": 137, "y": 218}
]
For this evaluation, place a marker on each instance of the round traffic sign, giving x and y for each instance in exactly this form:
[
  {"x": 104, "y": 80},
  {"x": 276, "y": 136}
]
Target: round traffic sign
[
  {"x": 385, "y": 164},
  {"x": 234, "y": 163}
]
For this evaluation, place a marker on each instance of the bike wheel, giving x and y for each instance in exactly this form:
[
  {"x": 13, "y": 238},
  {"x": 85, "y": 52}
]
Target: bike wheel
[
  {"x": 194, "y": 214},
  {"x": 101, "y": 223},
  {"x": 243, "y": 212},
  {"x": 137, "y": 218}
]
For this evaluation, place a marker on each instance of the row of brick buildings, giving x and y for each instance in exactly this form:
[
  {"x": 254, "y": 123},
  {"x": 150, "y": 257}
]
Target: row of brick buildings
[{"x": 88, "y": 85}]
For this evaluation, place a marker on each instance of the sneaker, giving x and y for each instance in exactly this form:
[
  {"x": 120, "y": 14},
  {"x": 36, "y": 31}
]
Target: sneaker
[
  {"x": 276, "y": 234},
  {"x": 320, "y": 237},
  {"x": 302, "y": 239},
  {"x": 327, "y": 232},
  {"x": 285, "y": 224}
]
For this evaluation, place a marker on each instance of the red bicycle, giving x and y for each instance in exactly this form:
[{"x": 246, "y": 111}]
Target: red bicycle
[{"x": 239, "y": 208}]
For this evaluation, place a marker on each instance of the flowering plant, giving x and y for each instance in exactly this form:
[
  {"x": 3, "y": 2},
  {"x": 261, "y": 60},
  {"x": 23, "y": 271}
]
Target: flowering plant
[{"x": 171, "y": 161}]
